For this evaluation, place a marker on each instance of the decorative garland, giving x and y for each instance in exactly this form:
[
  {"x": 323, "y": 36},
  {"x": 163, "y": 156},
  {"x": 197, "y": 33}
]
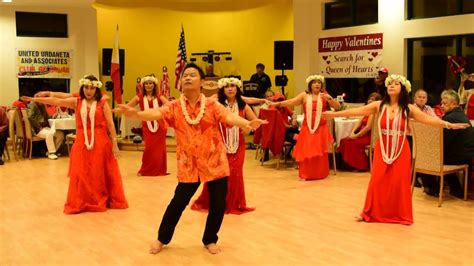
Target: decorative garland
[
  {"x": 404, "y": 81},
  {"x": 89, "y": 145},
  {"x": 390, "y": 154},
  {"x": 231, "y": 140},
  {"x": 185, "y": 110},
  {"x": 152, "y": 127},
  {"x": 309, "y": 112}
]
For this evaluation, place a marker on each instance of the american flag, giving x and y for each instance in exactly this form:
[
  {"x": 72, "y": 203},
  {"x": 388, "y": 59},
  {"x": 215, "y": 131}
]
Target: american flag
[{"x": 181, "y": 59}]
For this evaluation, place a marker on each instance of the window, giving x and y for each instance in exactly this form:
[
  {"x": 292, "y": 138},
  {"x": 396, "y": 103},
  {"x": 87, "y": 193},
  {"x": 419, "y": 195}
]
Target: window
[
  {"x": 41, "y": 25},
  {"x": 347, "y": 13},
  {"x": 428, "y": 63},
  {"x": 438, "y": 8}
]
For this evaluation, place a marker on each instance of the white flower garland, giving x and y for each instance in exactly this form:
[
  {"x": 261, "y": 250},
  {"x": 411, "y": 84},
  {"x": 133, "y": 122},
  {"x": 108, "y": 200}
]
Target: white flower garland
[
  {"x": 309, "y": 112},
  {"x": 404, "y": 81},
  {"x": 89, "y": 145},
  {"x": 223, "y": 82},
  {"x": 185, "y": 110},
  {"x": 390, "y": 154},
  {"x": 147, "y": 79},
  {"x": 152, "y": 127},
  {"x": 88, "y": 82},
  {"x": 231, "y": 140},
  {"x": 315, "y": 77}
]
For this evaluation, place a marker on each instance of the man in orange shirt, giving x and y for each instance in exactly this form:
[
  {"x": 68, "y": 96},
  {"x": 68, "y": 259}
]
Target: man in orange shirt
[{"x": 200, "y": 153}]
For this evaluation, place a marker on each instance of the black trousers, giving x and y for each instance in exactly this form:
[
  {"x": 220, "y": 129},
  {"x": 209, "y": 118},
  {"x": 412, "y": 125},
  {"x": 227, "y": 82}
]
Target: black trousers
[
  {"x": 3, "y": 140},
  {"x": 182, "y": 195}
]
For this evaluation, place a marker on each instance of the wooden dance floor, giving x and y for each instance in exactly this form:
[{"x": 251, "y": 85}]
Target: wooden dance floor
[{"x": 295, "y": 222}]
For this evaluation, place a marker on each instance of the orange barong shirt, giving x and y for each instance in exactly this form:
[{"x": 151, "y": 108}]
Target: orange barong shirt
[{"x": 200, "y": 150}]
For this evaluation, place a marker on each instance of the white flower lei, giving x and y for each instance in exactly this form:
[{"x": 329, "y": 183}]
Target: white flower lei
[
  {"x": 390, "y": 154},
  {"x": 152, "y": 127},
  {"x": 223, "y": 82},
  {"x": 88, "y": 82},
  {"x": 309, "y": 112},
  {"x": 315, "y": 77},
  {"x": 148, "y": 78},
  {"x": 404, "y": 81},
  {"x": 89, "y": 145},
  {"x": 185, "y": 110},
  {"x": 231, "y": 140}
]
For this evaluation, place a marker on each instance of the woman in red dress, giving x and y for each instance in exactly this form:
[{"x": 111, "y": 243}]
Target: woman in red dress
[
  {"x": 230, "y": 96},
  {"x": 154, "y": 132},
  {"x": 352, "y": 148},
  {"x": 95, "y": 183},
  {"x": 311, "y": 150},
  {"x": 388, "y": 197}
]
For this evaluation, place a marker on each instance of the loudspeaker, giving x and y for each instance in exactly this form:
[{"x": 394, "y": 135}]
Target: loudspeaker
[
  {"x": 107, "y": 58},
  {"x": 283, "y": 55},
  {"x": 281, "y": 80}
]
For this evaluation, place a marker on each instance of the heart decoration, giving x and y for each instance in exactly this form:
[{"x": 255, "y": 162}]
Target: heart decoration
[
  {"x": 374, "y": 54},
  {"x": 370, "y": 59},
  {"x": 325, "y": 57},
  {"x": 328, "y": 62}
]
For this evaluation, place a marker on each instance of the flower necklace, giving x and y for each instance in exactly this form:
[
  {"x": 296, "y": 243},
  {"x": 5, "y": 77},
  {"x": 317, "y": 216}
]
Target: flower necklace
[
  {"x": 89, "y": 145},
  {"x": 309, "y": 112},
  {"x": 152, "y": 127},
  {"x": 390, "y": 154},
  {"x": 185, "y": 110},
  {"x": 231, "y": 140}
]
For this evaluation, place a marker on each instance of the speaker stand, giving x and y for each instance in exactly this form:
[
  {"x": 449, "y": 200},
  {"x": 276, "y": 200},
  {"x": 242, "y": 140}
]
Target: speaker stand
[{"x": 283, "y": 76}]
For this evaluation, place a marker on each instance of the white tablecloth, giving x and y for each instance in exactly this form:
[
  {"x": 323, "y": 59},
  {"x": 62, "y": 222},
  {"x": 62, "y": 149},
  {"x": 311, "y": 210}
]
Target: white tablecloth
[
  {"x": 343, "y": 127},
  {"x": 62, "y": 123}
]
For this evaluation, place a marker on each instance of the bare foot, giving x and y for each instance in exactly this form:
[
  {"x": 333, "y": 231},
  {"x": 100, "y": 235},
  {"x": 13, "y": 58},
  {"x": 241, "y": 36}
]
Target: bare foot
[
  {"x": 302, "y": 179},
  {"x": 156, "y": 247},
  {"x": 139, "y": 174},
  {"x": 213, "y": 248},
  {"x": 359, "y": 219}
]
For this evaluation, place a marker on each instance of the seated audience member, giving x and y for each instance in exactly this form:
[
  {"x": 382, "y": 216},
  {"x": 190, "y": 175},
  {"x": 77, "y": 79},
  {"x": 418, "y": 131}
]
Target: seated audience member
[
  {"x": 19, "y": 104},
  {"x": 458, "y": 145},
  {"x": 38, "y": 118},
  {"x": 352, "y": 148},
  {"x": 3, "y": 132},
  {"x": 269, "y": 94},
  {"x": 420, "y": 99}
]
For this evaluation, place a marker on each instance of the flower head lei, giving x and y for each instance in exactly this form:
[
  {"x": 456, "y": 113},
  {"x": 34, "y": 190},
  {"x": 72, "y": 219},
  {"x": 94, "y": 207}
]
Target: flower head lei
[
  {"x": 404, "y": 81},
  {"x": 229, "y": 81},
  {"x": 149, "y": 79},
  {"x": 315, "y": 77},
  {"x": 87, "y": 82}
]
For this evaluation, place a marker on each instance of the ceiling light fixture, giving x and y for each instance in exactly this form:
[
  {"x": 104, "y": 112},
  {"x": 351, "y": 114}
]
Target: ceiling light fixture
[{"x": 7, "y": 1}]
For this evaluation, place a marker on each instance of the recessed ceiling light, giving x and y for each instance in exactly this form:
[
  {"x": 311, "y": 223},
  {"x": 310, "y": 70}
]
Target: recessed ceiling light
[{"x": 7, "y": 1}]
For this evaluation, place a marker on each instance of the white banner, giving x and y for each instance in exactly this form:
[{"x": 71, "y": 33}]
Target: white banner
[{"x": 356, "y": 56}]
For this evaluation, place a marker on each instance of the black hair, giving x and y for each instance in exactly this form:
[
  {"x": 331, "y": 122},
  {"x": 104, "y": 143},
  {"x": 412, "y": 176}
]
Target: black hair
[
  {"x": 260, "y": 65},
  {"x": 192, "y": 65},
  {"x": 98, "y": 93},
  {"x": 238, "y": 97},
  {"x": 403, "y": 100}
]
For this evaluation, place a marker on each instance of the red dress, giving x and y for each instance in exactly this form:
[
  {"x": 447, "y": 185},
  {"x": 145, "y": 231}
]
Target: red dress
[
  {"x": 353, "y": 150},
  {"x": 154, "y": 155},
  {"x": 388, "y": 197},
  {"x": 470, "y": 107},
  {"x": 95, "y": 183},
  {"x": 311, "y": 150},
  {"x": 235, "y": 199}
]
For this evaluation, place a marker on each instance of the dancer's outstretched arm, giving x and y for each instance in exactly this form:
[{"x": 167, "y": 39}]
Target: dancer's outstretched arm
[
  {"x": 235, "y": 120},
  {"x": 68, "y": 102},
  {"x": 359, "y": 111},
  {"x": 418, "y": 115},
  {"x": 147, "y": 115},
  {"x": 298, "y": 100}
]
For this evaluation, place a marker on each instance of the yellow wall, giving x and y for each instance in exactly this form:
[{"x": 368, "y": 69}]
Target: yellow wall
[{"x": 150, "y": 38}]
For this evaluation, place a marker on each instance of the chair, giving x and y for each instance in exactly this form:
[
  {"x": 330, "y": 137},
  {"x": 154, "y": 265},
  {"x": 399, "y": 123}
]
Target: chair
[
  {"x": 12, "y": 140},
  {"x": 19, "y": 133},
  {"x": 374, "y": 136},
  {"x": 332, "y": 146},
  {"x": 70, "y": 138},
  {"x": 428, "y": 142},
  {"x": 30, "y": 138}
]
